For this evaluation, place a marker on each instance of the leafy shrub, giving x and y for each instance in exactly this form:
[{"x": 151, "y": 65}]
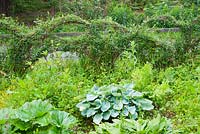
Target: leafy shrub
[
  {"x": 164, "y": 21},
  {"x": 142, "y": 76},
  {"x": 86, "y": 9},
  {"x": 61, "y": 82},
  {"x": 179, "y": 12},
  {"x": 102, "y": 50},
  {"x": 19, "y": 6},
  {"x": 36, "y": 116},
  {"x": 27, "y": 44},
  {"x": 183, "y": 82},
  {"x": 122, "y": 14},
  {"x": 127, "y": 62},
  {"x": 158, "y": 125},
  {"x": 107, "y": 102}
]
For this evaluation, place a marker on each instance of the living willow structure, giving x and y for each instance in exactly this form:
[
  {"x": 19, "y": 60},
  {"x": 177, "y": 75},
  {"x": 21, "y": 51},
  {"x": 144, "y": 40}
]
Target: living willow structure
[{"x": 102, "y": 41}]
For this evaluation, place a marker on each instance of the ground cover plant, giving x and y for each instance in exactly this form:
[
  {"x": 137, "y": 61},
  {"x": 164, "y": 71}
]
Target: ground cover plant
[
  {"x": 157, "y": 125},
  {"x": 100, "y": 67}
]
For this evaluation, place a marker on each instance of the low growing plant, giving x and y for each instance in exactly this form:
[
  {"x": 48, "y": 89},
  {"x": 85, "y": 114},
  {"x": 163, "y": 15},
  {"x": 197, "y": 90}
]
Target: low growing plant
[
  {"x": 112, "y": 101},
  {"x": 37, "y": 117},
  {"x": 158, "y": 125}
]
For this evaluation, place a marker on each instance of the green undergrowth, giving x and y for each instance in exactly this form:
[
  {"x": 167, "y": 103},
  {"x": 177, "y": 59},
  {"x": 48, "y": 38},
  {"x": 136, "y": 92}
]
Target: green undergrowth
[
  {"x": 174, "y": 90},
  {"x": 143, "y": 80}
]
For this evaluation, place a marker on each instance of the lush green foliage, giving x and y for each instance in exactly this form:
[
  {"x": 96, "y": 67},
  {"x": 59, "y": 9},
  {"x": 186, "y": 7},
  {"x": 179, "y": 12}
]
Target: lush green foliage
[
  {"x": 104, "y": 40},
  {"x": 106, "y": 102},
  {"x": 120, "y": 42},
  {"x": 37, "y": 116},
  {"x": 158, "y": 125},
  {"x": 52, "y": 80},
  {"x": 122, "y": 14},
  {"x": 20, "y": 6}
]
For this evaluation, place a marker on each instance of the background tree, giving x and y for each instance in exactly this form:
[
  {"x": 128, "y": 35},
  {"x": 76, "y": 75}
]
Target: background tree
[{"x": 4, "y": 6}]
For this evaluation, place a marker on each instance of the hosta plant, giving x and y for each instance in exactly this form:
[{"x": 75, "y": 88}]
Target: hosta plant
[
  {"x": 113, "y": 101},
  {"x": 36, "y": 117}
]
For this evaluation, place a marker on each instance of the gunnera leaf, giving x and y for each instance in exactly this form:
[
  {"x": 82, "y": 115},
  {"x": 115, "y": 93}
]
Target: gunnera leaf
[
  {"x": 21, "y": 125},
  {"x": 43, "y": 121},
  {"x": 6, "y": 114},
  {"x": 34, "y": 109}
]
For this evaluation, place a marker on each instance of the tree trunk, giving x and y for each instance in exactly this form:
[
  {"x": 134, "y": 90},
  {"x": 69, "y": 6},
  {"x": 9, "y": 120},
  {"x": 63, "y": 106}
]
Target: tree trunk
[{"x": 4, "y": 6}]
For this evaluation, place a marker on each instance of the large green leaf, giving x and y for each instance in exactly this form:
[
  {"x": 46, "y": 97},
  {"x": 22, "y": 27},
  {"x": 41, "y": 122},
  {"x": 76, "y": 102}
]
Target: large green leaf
[
  {"x": 106, "y": 115},
  {"x": 118, "y": 105},
  {"x": 53, "y": 130},
  {"x": 115, "y": 91},
  {"x": 125, "y": 112},
  {"x": 105, "y": 106},
  {"x": 83, "y": 106},
  {"x": 21, "y": 125},
  {"x": 145, "y": 104},
  {"x": 5, "y": 114},
  {"x": 125, "y": 101},
  {"x": 114, "y": 113},
  {"x": 97, "y": 103},
  {"x": 133, "y": 93},
  {"x": 84, "y": 112},
  {"x": 61, "y": 119},
  {"x": 97, "y": 118},
  {"x": 132, "y": 109},
  {"x": 43, "y": 121},
  {"x": 34, "y": 109},
  {"x": 129, "y": 86},
  {"x": 90, "y": 112},
  {"x": 91, "y": 97}
]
